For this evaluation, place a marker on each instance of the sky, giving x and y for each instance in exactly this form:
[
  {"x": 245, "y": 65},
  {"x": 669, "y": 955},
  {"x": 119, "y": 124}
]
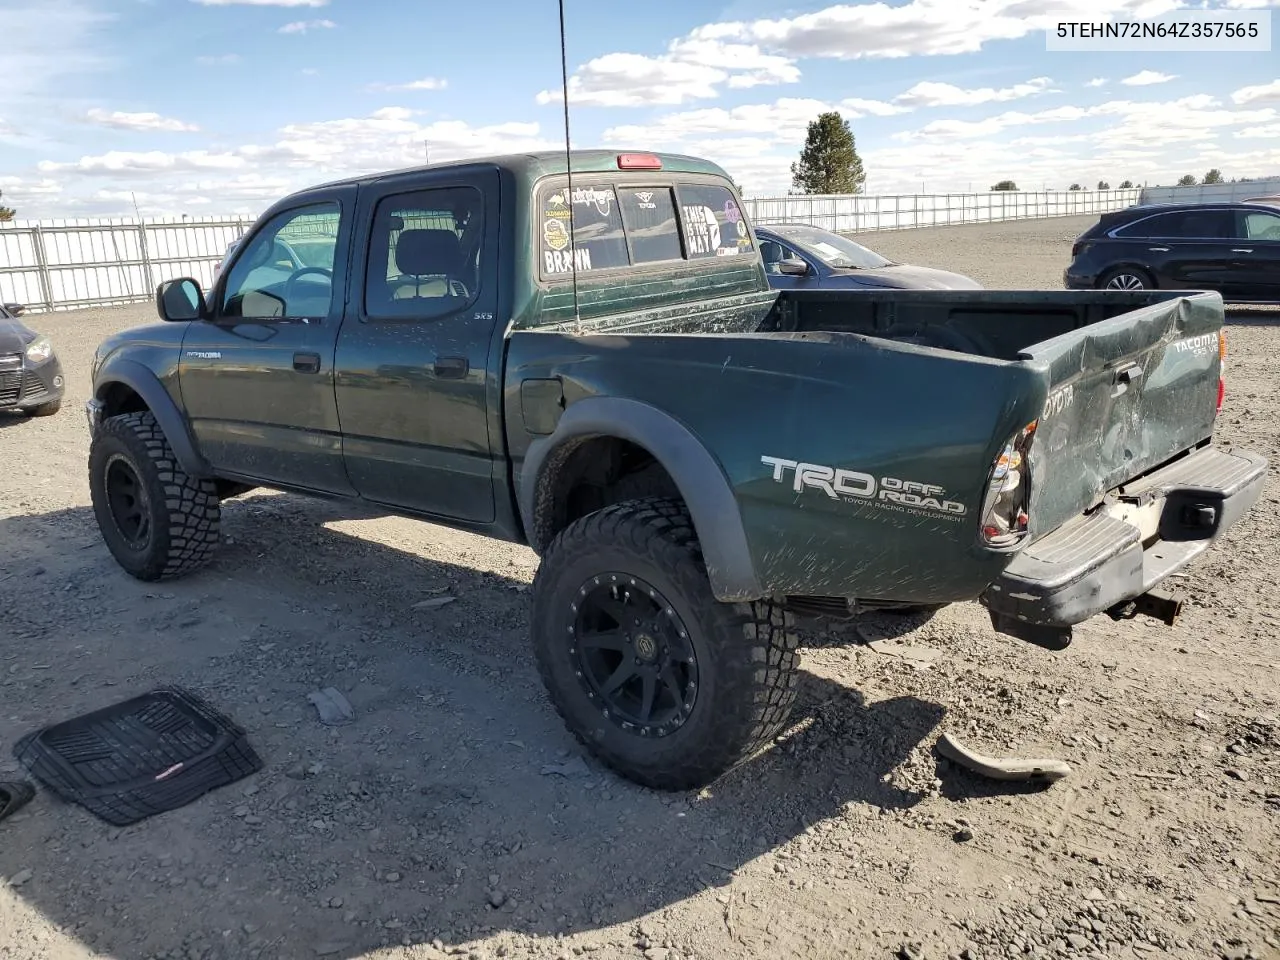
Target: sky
[{"x": 216, "y": 107}]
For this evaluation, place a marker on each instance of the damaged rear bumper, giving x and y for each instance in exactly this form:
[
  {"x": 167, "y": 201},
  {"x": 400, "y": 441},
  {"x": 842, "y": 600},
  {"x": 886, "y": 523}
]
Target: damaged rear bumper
[{"x": 1109, "y": 560}]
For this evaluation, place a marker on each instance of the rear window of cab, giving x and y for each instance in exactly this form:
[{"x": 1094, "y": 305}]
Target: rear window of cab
[{"x": 618, "y": 227}]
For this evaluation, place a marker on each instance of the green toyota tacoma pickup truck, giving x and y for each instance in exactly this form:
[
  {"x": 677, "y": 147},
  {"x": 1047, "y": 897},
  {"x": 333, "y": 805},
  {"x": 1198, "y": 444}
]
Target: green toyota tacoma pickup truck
[{"x": 584, "y": 355}]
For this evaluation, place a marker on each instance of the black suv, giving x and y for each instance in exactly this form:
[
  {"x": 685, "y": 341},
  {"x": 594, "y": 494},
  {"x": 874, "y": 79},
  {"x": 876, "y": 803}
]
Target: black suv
[{"x": 1233, "y": 248}]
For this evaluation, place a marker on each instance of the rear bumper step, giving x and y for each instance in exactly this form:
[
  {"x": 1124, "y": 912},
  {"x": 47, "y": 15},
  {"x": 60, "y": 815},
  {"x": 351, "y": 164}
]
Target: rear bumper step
[{"x": 1098, "y": 563}]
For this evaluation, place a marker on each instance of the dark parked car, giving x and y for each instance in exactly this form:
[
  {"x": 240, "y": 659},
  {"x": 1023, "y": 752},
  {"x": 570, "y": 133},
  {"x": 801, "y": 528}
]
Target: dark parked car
[
  {"x": 1232, "y": 248},
  {"x": 801, "y": 257},
  {"x": 30, "y": 374}
]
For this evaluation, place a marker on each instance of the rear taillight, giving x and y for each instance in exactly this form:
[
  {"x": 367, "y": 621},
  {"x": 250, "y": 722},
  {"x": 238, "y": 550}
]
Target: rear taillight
[
  {"x": 1222, "y": 359},
  {"x": 1004, "y": 509},
  {"x": 1076, "y": 248}
]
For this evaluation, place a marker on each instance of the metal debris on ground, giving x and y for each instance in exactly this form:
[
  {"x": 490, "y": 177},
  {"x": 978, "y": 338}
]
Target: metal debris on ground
[
  {"x": 333, "y": 707},
  {"x": 1002, "y": 768}
]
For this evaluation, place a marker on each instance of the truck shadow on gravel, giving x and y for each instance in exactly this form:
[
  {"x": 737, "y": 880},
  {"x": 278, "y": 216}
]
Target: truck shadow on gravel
[{"x": 454, "y": 810}]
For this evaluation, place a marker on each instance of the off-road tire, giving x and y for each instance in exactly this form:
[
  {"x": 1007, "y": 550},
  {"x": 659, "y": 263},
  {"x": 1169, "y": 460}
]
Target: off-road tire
[
  {"x": 183, "y": 512},
  {"x": 44, "y": 410},
  {"x": 746, "y": 652}
]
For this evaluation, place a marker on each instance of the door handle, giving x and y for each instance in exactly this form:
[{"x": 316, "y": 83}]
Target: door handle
[
  {"x": 1250, "y": 250},
  {"x": 1158, "y": 249},
  {"x": 306, "y": 362},
  {"x": 451, "y": 368}
]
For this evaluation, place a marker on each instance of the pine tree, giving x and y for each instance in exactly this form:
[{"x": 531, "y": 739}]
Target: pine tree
[
  {"x": 829, "y": 162},
  {"x": 1213, "y": 176},
  {"x": 1187, "y": 180},
  {"x": 6, "y": 213},
  {"x": 1126, "y": 184}
]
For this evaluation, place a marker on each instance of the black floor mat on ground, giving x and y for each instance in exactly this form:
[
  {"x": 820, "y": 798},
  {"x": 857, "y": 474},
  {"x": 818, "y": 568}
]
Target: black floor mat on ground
[
  {"x": 127, "y": 762},
  {"x": 14, "y": 796}
]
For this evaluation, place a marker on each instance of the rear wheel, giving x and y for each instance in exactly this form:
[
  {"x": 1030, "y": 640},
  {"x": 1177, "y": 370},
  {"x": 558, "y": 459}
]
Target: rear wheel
[
  {"x": 157, "y": 522},
  {"x": 1126, "y": 278},
  {"x": 658, "y": 679}
]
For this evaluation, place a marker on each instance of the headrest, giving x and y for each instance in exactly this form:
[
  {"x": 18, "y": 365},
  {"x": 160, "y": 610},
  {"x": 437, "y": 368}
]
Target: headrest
[{"x": 421, "y": 253}]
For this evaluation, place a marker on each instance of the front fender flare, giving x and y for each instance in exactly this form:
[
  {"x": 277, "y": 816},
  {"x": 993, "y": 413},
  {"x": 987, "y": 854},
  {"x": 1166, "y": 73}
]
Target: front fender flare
[
  {"x": 143, "y": 381},
  {"x": 698, "y": 476}
]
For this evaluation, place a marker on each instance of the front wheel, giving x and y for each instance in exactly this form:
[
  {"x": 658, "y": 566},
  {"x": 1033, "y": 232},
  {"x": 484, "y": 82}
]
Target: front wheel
[
  {"x": 157, "y": 522},
  {"x": 658, "y": 679}
]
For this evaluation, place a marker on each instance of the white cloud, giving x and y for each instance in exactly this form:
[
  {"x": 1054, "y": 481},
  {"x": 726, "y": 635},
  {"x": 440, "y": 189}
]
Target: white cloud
[
  {"x": 1146, "y": 78},
  {"x": 221, "y": 60},
  {"x": 752, "y": 53},
  {"x": 262, "y": 3},
  {"x": 17, "y": 189},
  {"x": 693, "y": 68},
  {"x": 783, "y": 121},
  {"x": 306, "y": 26},
  {"x": 1097, "y": 82},
  {"x": 1271, "y": 132},
  {"x": 300, "y": 155},
  {"x": 1189, "y": 118},
  {"x": 426, "y": 83},
  {"x": 919, "y": 27},
  {"x": 153, "y": 122},
  {"x": 1263, "y": 93},
  {"x": 127, "y": 164},
  {"x": 931, "y": 93}
]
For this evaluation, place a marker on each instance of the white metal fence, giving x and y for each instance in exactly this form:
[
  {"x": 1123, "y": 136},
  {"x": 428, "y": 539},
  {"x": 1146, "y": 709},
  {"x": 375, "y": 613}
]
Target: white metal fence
[
  {"x": 854, "y": 214},
  {"x": 63, "y": 264},
  {"x": 1213, "y": 192}
]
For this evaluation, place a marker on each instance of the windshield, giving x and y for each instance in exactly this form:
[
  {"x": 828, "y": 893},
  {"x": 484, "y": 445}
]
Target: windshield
[{"x": 832, "y": 249}]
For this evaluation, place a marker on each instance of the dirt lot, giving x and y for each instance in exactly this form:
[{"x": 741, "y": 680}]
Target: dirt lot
[{"x": 445, "y": 819}]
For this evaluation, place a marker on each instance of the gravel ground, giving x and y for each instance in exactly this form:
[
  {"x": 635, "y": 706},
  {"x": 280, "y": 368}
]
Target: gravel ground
[{"x": 456, "y": 816}]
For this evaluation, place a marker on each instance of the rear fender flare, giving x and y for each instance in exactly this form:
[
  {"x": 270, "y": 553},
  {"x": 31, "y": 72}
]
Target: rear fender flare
[
  {"x": 698, "y": 476},
  {"x": 142, "y": 381}
]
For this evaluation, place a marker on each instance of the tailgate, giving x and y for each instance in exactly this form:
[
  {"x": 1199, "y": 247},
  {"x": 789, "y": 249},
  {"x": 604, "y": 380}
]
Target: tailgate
[{"x": 1126, "y": 395}]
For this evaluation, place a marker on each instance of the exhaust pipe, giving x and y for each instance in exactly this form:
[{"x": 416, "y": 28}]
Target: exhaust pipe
[{"x": 1157, "y": 604}]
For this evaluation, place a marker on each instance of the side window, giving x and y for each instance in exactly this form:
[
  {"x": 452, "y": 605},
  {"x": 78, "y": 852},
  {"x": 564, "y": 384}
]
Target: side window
[
  {"x": 598, "y": 241},
  {"x": 713, "y": 223},
  {"x": 1208, "y": 224},
  {"x": 424, "y": 254},
  {"x": 1261, "y": 226},
  {"x": 773, "y": 253},
  {"x": 650, "y": 217},
  {"x": 1168, "y": 225},
  {"x": 286, "y": 271}
]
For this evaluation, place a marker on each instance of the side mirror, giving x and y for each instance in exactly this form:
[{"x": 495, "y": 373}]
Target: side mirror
[
  {"x": 178, "y": 300},
  {"x": 793, "y": 267},
  {"x": 16, "y": 309}
]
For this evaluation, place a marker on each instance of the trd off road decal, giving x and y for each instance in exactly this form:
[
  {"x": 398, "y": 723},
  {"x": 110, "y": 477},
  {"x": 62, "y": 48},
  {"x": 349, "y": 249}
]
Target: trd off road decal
[{"x": 884, "y": 493}]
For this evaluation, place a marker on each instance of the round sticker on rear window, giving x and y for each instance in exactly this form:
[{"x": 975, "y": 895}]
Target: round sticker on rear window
[{"x": 555, "y": 235}]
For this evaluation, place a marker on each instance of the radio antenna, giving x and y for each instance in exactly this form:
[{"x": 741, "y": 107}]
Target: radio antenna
[{"x": 568, "y": 170}]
